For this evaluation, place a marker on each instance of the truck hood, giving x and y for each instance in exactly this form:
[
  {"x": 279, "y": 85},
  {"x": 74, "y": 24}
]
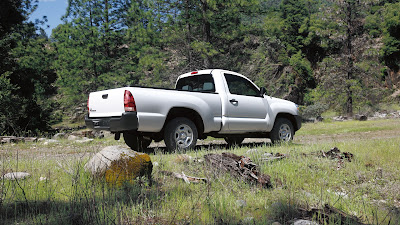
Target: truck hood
[{"x": 281, "y": 105}]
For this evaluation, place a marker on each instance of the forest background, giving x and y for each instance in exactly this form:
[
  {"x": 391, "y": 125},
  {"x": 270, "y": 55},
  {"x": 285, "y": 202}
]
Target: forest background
[{"x": 341, "y": 55}]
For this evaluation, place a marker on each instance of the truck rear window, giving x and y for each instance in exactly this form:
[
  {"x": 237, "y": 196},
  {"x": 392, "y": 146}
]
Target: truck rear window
[{"x": 197, "y": 83}]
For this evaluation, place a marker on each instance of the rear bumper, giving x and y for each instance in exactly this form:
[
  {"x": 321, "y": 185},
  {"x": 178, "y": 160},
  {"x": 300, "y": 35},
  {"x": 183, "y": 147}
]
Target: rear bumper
[{"x": 128, "y": 121}]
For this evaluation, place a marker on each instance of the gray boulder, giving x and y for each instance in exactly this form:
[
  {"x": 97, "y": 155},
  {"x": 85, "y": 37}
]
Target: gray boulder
[
  {"x": 16, "y": 176},
  {"x": 118, "y": 164},
  {"x": 73, "y": 138},
  {"x": 304, "y": 222},
  {"x": 59, "y": 136}
]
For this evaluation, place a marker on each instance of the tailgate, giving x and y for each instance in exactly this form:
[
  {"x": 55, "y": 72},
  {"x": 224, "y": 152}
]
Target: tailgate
[{"x": 106, "y": 103}]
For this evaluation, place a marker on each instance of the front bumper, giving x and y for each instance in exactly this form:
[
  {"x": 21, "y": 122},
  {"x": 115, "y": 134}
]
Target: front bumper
[{"x": 128, "y": 121}]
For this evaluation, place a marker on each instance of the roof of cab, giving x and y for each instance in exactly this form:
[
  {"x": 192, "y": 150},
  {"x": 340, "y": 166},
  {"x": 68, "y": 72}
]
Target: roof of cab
[{"x": 208, "y": 71}]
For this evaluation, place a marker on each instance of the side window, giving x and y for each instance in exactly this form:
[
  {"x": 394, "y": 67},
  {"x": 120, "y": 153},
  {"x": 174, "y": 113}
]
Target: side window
[
  {"x": 198, "y": 83},
  {"x": 240, "y": 86}
]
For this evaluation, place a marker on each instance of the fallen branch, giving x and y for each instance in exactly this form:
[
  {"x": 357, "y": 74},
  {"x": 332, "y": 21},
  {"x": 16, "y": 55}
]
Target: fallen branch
[
  {"x": 187, "y": 179},
  {"x": 269, "y": 157},
  {"x": 330, "y": 214},
  {"x": 334, "y": 154}
]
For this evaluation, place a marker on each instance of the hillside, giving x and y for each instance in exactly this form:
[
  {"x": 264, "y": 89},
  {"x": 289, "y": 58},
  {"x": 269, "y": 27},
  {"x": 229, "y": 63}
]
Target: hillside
[{"x": 325, "y": 54}]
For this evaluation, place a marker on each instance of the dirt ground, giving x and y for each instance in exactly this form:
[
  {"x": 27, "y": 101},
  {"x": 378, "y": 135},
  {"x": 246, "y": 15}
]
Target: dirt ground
[{"x": 303, "y": 139}]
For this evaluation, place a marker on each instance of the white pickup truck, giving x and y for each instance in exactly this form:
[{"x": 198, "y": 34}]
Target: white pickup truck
[{"x": 217, "y": 103}]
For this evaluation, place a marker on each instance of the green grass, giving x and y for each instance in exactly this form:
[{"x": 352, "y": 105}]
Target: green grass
[
  {"x": 352, "y": 126},
  {"x": 368, "y": 187}
]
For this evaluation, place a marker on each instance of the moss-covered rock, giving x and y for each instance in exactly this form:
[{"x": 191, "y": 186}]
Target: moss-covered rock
[{"x": 119, "y": 164}]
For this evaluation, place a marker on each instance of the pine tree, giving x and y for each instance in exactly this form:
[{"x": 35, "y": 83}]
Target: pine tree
[
  {"x": 391, "y": 36},
  {"x": 26, "y": 75}
]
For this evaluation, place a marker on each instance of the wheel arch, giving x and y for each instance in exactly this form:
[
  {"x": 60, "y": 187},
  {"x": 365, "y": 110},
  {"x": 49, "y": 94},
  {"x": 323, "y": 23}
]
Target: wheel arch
[
  {"x": 290, "y": 117},
  {"x": 191, "y": 114}
]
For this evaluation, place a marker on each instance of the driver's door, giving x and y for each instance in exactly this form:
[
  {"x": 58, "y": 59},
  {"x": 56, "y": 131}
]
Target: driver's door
[{"x": 245, "y": 109}]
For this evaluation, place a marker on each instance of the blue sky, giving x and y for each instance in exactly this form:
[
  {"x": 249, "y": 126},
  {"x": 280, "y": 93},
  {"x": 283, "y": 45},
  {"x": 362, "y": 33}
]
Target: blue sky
[{"x": 53, "y": 9}]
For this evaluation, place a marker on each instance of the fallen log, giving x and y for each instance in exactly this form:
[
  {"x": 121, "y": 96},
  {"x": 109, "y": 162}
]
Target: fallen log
[{"x": 240, "y": 167}]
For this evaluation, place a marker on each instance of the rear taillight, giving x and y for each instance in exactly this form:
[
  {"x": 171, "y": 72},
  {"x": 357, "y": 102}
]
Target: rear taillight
[
  {"x": 129, "y": 102},
  {"x": 88, "y": 104}
]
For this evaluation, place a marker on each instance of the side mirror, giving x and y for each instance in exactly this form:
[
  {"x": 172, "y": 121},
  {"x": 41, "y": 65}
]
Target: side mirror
[{"x": 262, "y": 91}]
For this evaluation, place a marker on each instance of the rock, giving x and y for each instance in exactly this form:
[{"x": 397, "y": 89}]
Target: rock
[
  {"x": 304, "y": 222},
  {"x": 59, "y": 136},
  {"x": 73, "y": 138},
  {"x": 339, "y": 118},
  {"x": 11, "y": 139},
  {"x": 87, "y": 133},
  {"x": 248, "y": 220},
  {"x": 98, "y": 134},
  {"x": 30, "y": 139},
  {"x": 251, "y": 151},
  {"x": 84, "y": 140},
  {"x": 119, "y": 164},
  {"x": 50, "y": 141},
  {"x": 361, "y": 117},
  {"x": 339, "y": 193},
  {"x": 319, "y": 119},
  {"x": 183, "y": 158},
  {"x": 379, "y": 173},
  {"x": 241, "y": 203},
  {"x": 42, "y": 178},
  {"x": 16, "y": 176},
  {"x": 42, "y": 139},
  {"x": 380, "y": 115},
  {"x": 276, "y": 223},
  {"x": 5, "y": 140}
]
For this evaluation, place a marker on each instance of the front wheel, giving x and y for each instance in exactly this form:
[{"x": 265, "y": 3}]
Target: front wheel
[
  {"x": 282, "y": 131},
  {"x": 180, "y": 133}
]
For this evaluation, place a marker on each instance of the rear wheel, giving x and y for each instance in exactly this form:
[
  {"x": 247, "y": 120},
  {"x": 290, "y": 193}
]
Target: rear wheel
[
  {"x": 282, "y": 131},
  {"x": 136, "y": 142},
  {"x": 232, "y": 141},
  {"x": 180, "y": 133}
]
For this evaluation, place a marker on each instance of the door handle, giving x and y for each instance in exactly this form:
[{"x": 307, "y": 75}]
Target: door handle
[{"x": 233, "y": 101}]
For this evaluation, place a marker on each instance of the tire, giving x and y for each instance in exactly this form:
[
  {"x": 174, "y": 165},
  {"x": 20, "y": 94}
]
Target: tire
[
  {"x": 282, "y": 132},
  {"x": 135, "y": 142},
  {"x": 232, "y": 141},
  {"x": 180, "y": 134}
]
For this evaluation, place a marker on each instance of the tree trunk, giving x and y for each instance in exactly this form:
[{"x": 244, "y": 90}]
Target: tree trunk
[
  {"x": 94, "y": 46},
  {"x": 350, "y": 61},
  {"x": 188, "y": 35},
  {"x": 206, "y": 32}
]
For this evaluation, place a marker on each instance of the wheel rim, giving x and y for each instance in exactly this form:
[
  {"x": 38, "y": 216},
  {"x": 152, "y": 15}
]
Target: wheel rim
[
  {"x": 183, "y": 136},
  {"x": 285, "y": 134}
]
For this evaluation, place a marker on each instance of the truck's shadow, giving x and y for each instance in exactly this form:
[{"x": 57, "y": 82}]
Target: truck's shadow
[{"x": 211, "y": 147}]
